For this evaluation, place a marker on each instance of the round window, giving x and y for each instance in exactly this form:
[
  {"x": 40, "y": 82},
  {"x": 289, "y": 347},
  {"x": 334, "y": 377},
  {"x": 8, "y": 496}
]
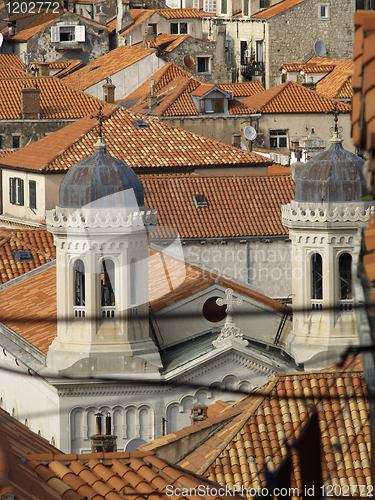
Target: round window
[{"x": 212, "y": 312}]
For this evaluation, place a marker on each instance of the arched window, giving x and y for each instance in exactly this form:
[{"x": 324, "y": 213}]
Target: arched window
[
  {"x": 133, "y": 289},
  {"x": 345, "y": 273},
  {"x": 107, "y": 285},
  {"x": 317, "y": 276},
  {"x": 79, "y": 283}
]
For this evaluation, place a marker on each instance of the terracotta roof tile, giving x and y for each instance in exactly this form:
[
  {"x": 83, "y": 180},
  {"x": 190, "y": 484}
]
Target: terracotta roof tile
[
  {"x": 179, "y": 13},
  {"x": 277, "y": 9},
  {"x": 159, "y": 146},
  {"x": 242, "y": 89},
  {"x": 262, "y": 195},
  {"x": 138, "y": 15},
  {"x": 11, "y": 72},
  {"x": 291, "y": 97},
  {"x": 309, "y": 67},
  {"x": 41, "y": 22},
  {"x": 260, "y": 433},
  {"x": 109, "y": 64},
  {"x": 57, "y": 100},
  {"x": 12, "y": 60}
]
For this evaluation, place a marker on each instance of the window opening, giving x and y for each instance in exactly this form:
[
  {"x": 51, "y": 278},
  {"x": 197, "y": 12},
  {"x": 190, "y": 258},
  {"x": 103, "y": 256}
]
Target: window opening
[
  {"x": 345, "y": 273},
  {"x": 16, "y": 191},
  {"x": 203, "y": 64},
  {"x": 278, "y": 139},
  {"x": 22, "y": 256},
  {"x": 32, "y": 195},
  {"x": 199, "y": 200},
  {"x": 317, "y": 276},
  {"x": 107, "y": 282}
]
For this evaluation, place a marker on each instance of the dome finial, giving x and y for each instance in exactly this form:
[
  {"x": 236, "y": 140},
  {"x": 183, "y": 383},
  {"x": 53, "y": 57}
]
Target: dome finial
[
  {"x": 100, "y": 142},
  {"x": 336, "y": 131}
]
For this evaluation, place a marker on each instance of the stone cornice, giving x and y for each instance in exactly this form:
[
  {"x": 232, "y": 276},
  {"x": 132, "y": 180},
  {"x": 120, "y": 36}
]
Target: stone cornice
[
  {"x": 342, "y": 213},
  {"x": 78, "y": 219}
]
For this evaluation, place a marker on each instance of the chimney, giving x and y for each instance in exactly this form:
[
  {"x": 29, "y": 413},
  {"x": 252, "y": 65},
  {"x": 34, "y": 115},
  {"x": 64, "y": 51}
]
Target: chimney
[
  {"x": 198, "y": 412},
  {"x": 109, "y": 91},
  {"x": 30, "y": 103},
  {"x": 124, "y": 19},
  {"x": 43, "y": 69},
  {"x": 236, "y": 140},
  {"x": 220, "y": 67},
  {"x": 152, "y": 99},
  {"x": 103, "y": 442},
  {"x": 101, "y": 17}
]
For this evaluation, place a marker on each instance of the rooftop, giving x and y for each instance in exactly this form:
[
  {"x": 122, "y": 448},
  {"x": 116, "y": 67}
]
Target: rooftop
[
  {"x": 57, "y": 99},
  {"x": 157, "y": 146},
  {"x": 291, "y": 97},
  {"x": 41, "y": 22},
  {"x": 107, "y": 65},
  {"x": 276, "y": 9}
]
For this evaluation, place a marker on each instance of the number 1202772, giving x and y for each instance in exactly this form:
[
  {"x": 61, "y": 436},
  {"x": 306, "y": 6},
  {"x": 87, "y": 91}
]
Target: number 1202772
[{"x": 29, "y": 7}]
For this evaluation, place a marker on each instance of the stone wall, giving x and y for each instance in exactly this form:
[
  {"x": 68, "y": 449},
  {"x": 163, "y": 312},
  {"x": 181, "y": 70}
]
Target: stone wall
[
  {"x": 28, "y": 130},
  {"x": 292, "y": 34},
  {"x": 265, "y": 264}
]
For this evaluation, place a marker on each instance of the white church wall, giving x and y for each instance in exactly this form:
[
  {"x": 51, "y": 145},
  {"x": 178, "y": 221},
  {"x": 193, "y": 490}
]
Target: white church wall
[{"x": 264, "y": 264}]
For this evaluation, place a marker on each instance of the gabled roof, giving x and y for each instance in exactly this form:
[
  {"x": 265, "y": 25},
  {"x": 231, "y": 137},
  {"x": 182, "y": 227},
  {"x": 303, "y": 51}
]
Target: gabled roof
[
  {"x": 11, "y": 72},
  {"x": 119, "y": 476},
  {"x": 12, "y": 60},
  {"x": 291, "y": 97},
  {"x": 180, "y": 13},
  {"x": 260, "y": 195},
  {"x": 158, "y": 146},
  {"x": 35, "y": 26},
  {"x": 106, "y": 65},
  {"x": 167, "y": 43},
  {"x": 39, "y": 242},
  {"x": 337, "y": 84},
  {"x": 276, "y": 9},
  {"x": 138, "y": 16},
  {"x": 308, "y": 67},
  {"x": 261, "y": 427},
  {"x": 57, "y": 99},
  {"x": 17, "y": 480},
  {"x": 242, "y": 89}
]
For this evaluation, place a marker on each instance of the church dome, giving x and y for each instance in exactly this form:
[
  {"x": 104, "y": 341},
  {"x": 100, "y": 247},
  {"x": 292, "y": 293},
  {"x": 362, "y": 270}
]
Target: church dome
[
  {"x": 333, "y": 176},
  {"x": 97, "y": 178}
]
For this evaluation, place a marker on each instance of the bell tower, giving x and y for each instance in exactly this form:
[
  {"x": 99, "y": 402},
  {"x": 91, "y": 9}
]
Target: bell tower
[
  {"x": 101, "y": 229},
  {"x": 323, "y": 221}
]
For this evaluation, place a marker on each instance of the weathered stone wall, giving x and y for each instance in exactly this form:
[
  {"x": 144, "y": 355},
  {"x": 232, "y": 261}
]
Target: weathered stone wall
[
  {"x": 95, "y": 45},
  {"x": 196, "y": 48},
  {"x": 265, "y": 264},
  {"x": 28, "y": 130},
  {"x": 292, "y": 34}
]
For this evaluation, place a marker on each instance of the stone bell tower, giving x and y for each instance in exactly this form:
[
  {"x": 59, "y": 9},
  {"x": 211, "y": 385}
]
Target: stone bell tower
[
  {"x": 100, "y": 229},
  {"x": 323, "y": 221}
]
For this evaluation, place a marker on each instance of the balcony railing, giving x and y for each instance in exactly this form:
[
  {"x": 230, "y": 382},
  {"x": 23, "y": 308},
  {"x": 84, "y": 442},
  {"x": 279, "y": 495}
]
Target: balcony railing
[
  {"x": 346, "y": 306},
  {"x": 316, "y": 304},
  {"x": 108, "y": 312},
  {"x": 79, "y": 312}
]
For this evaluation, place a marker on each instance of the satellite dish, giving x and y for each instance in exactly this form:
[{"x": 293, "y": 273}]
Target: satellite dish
[
  {"x": 320, "y": 49},
  {"x": 250, "y": 133},
  {"x": 243, "y": 146},
  {"x": 1, "y": 39}
]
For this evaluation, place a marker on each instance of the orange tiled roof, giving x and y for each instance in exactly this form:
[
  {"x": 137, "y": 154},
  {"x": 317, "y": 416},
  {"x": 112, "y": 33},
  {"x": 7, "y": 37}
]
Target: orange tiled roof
[
  {"x": 7, "y": 152},
  {"x": 118, "y": 476},
  {"x": 277, "y": 9},
  {"x": 16, "y": 441},
  {"x": 159, "y": 146},
  {"x": 33, "y": 28},
  {"x": 363, "y": 114},
  {"x": 11, "y": 60},
  {"x": 308, "y": 67},
  {"x": 242, "y": 89},
  {"x": 111, "y": 25},
  {"x": 70, "y": 68},
  {"x": 40, "y": 242},
  {"x": 139, "y": 16},
  {"x": 57, "y": 100},
  {"x": 337, "y": 84},
  {"x": 179, "y": 13},
  {"x": 257, "y": 438},
  {"x": 10, "y": 72},
  {"x": 107, "y": 65},
  {"x": 261, "y": 195},
  {"x": 291, "y": 97}
]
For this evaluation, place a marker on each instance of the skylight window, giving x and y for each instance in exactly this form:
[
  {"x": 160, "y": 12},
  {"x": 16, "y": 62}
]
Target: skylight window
[
  {"x": 22, "y": 256},
  {"x": 140, "y": 124},
  {"x": 199, "y": 201}
]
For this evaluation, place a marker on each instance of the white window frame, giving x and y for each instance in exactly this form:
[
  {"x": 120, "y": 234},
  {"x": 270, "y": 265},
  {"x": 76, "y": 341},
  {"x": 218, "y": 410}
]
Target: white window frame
[
  {"x": 278, "y": 136},
  {"x": 210, "y": 6},
  {"x": 208, "y": 65},
  {"x": 79, "y": 33},
  {"x": 326, "y": 7},
  {"x": 179, "y": 27},
  {"x": 16, "y": 191}
]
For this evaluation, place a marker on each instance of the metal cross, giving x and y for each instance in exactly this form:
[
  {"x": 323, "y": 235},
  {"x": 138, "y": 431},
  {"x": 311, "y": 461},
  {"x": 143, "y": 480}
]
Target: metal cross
[
  {"x": 229, "y": 301},
  {"x": 100, "y": 117},
  {"x": 335, "y": 113}
]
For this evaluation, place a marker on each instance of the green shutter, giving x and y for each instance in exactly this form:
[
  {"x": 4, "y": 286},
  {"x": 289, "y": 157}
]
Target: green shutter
[
  {"x": 245, "y": 7},
  {"x": 20, "y": 192},
  {"x": 12, "y": 191},
  {"x": 224, "y": 6},
  {"x": 32, "y": 194}
]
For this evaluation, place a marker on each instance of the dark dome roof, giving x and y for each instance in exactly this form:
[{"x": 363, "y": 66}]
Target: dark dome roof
[
  {"x": 335, "y": 175},
  {"x": 97, "y": 177}
]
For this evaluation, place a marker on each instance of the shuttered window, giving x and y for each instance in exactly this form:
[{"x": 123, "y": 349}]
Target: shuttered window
[{"x": 16, "y": 191}]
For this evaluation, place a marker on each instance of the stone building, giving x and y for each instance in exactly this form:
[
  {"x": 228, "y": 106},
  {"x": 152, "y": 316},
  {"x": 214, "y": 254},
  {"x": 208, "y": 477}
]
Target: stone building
[{"x": 61, "y": 35}]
